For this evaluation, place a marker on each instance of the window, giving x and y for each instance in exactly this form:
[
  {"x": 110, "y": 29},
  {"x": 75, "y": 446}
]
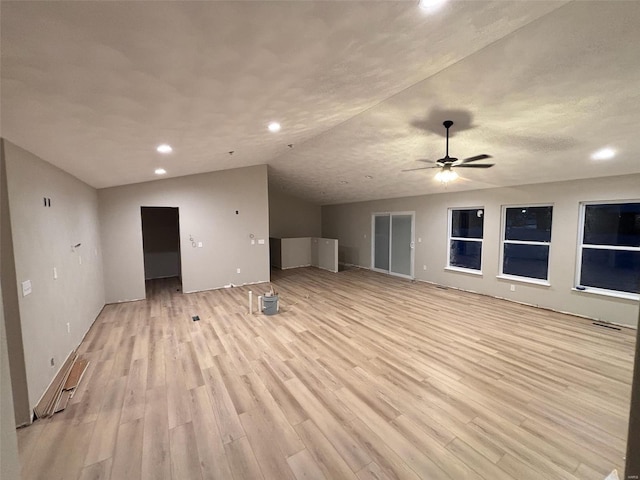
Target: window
[
  {"x": 465, "y": 238},
  {"x": 526, "y": 241},
  {"x": 609, "y": 250}
]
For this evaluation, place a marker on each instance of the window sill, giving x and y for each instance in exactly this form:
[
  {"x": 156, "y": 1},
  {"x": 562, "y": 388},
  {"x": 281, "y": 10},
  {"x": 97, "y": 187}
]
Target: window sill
[
  {"x": 532, "y": 281},
  {"x": 464, "y": 270},
  {"x": 608, "y": 293}
]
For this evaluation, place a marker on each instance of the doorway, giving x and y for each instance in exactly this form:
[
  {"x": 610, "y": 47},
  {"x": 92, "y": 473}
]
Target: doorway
[
  {"x": 161, "y": 243},
  {"x": 392, "y": 249}
]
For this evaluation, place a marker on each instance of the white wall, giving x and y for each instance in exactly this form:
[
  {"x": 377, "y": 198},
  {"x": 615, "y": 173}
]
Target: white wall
[
  {"x": 9, "y": 464},
  {"x": 324, "y": 253},
  {"x": 295, "y": 252},
  {"x": 305, "y": 252},
  {"x": 292, "y": 217},
  {"x": 351, "y": 225},
  {"x": 58, "y": 312},
  {"x": 208, "y": 204},
  {"x": 11, "y": 308}
]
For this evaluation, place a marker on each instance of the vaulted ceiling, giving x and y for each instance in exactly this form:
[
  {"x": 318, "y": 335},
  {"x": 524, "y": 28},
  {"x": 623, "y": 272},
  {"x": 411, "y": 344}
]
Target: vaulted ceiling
[{"x": 360, "y": 89}]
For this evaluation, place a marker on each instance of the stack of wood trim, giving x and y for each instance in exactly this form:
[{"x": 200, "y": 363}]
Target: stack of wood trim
[
  {"x": 72, "y": 382},
  {"x": 62, "y": 388}
]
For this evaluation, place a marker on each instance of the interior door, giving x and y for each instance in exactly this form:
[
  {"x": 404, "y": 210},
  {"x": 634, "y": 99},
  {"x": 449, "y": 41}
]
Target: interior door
[{"x": 392, "y": 243}]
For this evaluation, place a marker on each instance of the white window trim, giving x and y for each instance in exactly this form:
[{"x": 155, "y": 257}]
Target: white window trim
[
  {"x": 508, "y": 276},
  {"x": 582, "y": 245},
  {"x": 516, "y": 278},
  {"x": 469, "y": 271},
  {"x": 454, "y": 268},
  {"x": 608, "y": 293}
]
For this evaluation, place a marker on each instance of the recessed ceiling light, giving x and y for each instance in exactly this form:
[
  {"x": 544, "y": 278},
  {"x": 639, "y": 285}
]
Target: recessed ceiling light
[
  {"x": 431, "y": 5},
  {"x": 603, "y": 154},
  {"x": 160, "y": 171},
  {"x": 164, "y": 148},
  {"x": 344, "y": 182},
  {"x": 368, "y": 176},
  {"x": 274, "y": 127}
]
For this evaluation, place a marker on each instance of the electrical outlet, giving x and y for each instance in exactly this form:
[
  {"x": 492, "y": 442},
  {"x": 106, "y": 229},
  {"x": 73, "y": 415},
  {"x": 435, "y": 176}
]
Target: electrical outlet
[
  {"x": 68, "y": 327},
  {"x": 424, "y": 267},
  {"x": 26, "y": 288},
  {"x": 237, "y": 270},
  {"x": 261, "y": 241},
  {"x": 513, "y": 288}
]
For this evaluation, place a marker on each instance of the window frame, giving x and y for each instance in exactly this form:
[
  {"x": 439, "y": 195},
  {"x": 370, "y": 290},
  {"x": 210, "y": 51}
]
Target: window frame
[
  {"x": 503, "y": 232},
  {"x": 450, "y": 238},
  {"x": 581, "y": 246}
]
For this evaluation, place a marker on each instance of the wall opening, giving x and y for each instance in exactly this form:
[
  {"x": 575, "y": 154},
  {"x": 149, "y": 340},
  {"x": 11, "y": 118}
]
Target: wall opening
[{"x": 161, "y": 243}]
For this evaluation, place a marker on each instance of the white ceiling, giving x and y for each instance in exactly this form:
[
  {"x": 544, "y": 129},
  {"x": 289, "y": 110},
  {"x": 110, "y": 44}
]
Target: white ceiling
[{"x": 360, "y": 88}]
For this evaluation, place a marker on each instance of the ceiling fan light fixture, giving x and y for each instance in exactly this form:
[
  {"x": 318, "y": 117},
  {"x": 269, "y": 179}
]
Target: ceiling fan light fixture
[{"x": 446, "y": 175}]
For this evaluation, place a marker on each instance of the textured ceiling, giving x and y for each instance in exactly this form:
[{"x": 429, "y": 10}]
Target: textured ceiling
[{"x": 360, "y": 88}]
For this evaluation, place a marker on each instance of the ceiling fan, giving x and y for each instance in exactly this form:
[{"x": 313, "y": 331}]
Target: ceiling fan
[{"x": 446, "y": 164}]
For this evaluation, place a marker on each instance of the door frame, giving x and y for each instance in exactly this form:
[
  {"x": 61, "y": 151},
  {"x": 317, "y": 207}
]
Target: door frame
[{"x": 412, "y": 245}]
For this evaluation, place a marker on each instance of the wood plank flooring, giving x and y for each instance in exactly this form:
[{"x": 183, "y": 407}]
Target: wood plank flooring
[{"x": 360, "y": 376}]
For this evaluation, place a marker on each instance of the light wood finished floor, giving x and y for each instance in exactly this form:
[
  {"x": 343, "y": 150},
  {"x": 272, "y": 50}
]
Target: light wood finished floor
[{"x": 361, "y": 376}]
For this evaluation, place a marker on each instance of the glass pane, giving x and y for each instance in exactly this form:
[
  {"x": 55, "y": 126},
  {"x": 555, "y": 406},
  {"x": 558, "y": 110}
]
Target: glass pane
[
  {"x": 381, "y": 242},
  {"x": 466, "y": 223},
  {"x": 615, "y": 224},
  {"x": 465, "y": 254},
  {"x": 401, "y": 244},
  {"x": 528, "y": 224},
  {"x": 611, "y": 269},
  {"x": 530, "y": 261}
]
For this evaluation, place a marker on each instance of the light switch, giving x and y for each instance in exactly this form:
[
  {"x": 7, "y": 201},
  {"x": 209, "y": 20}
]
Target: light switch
[
  {"x": 55, "y": 273},
  {"x": 253, "y": 242},
  {"x": 261, "y": 241},
  {"x": 237, "y": 270},
  {"x": 419, "y": 239},
  {"x": 199, "y": 244},
  {"x": 80, "y": 259},
  {"x": 26, "y": 288}
]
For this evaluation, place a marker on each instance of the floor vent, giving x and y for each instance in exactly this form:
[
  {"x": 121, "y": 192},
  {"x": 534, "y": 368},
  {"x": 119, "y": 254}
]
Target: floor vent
[
  {"x": 606, "y": 326},
  {"x": 195, "y": 318}
]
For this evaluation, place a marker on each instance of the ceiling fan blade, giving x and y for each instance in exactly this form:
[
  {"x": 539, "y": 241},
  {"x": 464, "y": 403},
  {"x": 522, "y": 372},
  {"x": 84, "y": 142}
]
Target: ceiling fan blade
[
  {"x": 425, "y": 160},
  {"x": 477, "y": 165},
  {"x": 476, "y": 158},
  {"x": 421, "y": 168}
]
